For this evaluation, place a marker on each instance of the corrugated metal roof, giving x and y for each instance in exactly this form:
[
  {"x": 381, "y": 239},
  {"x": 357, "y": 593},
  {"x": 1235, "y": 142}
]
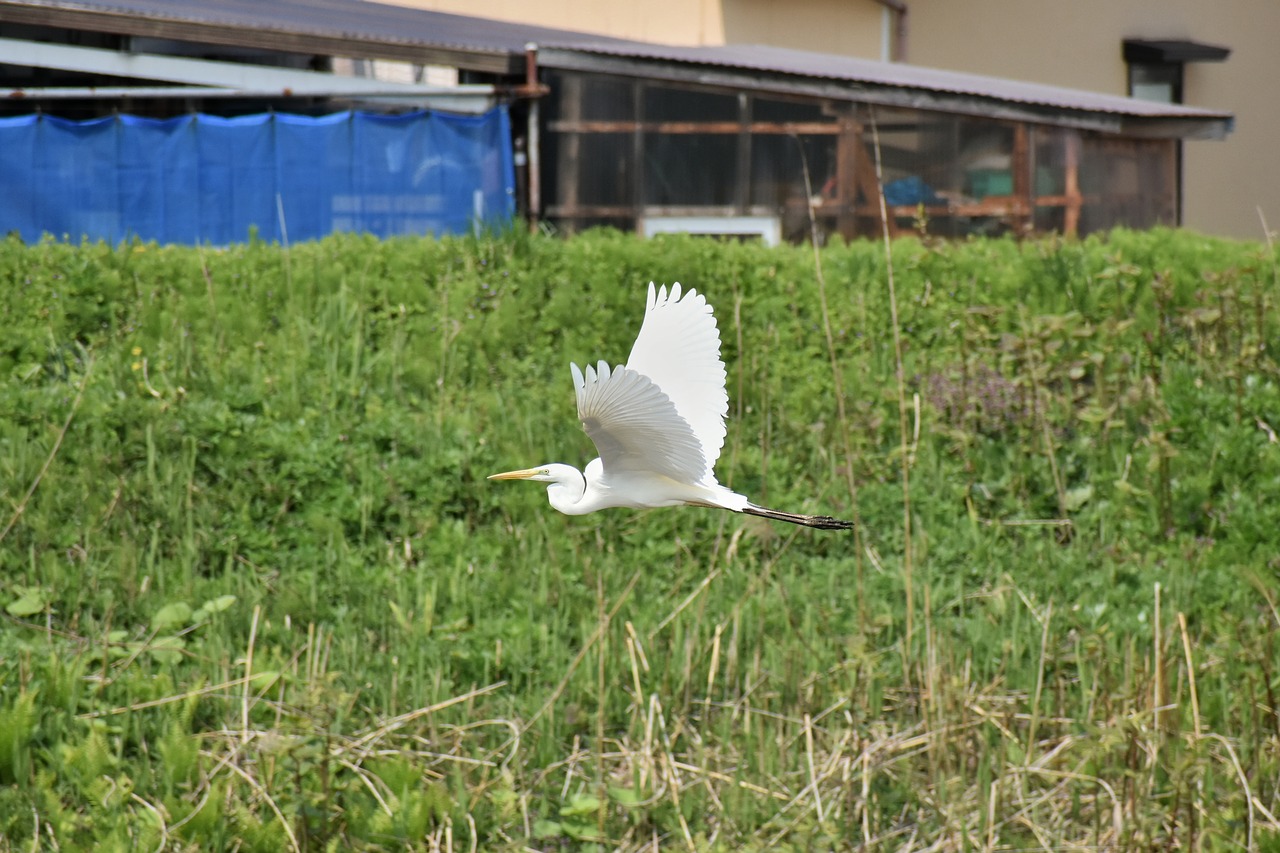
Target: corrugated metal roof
[
  {"x": 801, "y": 63},
  {"x": 371, "y": 27},
  {"x": 376, "y": 29}
]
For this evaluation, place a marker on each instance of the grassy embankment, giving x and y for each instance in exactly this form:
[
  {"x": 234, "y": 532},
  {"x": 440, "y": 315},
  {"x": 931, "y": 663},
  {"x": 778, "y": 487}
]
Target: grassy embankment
[{"x": 259, "y": 595}]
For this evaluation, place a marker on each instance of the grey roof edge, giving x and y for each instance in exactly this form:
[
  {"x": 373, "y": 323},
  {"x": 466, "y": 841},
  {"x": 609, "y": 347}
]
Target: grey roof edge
[
  {"x": 364, "y": 29},
  {"x": 783, "y": 69}
]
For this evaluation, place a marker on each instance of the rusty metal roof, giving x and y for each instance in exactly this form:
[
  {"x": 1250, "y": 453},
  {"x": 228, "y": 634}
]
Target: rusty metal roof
[{"x": 366, "y": 29}]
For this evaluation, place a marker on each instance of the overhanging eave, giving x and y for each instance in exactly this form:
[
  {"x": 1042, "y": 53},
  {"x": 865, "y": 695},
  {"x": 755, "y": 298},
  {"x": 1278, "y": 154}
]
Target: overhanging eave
[
  {"x": 263, "y": 38},
  {"x": 1164, "y": 51},
  {"x": 981, "y": 106}
]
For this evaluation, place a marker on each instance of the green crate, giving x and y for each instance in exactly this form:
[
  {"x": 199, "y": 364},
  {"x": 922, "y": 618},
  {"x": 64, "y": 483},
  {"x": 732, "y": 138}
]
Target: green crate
[{"x": 985, "y": 182}]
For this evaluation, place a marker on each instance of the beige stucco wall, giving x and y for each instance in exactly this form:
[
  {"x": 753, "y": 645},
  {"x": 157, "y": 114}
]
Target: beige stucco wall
[
  {"x": 850, "y": 27},
  {"x": 853, "y": 27},
  {"x": 685, "y": 22},
  {"x": 1078, "y": 45}
]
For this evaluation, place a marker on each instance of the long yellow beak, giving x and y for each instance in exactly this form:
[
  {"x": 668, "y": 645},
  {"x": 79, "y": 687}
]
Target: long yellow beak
[{"x": 516, "y": 475}]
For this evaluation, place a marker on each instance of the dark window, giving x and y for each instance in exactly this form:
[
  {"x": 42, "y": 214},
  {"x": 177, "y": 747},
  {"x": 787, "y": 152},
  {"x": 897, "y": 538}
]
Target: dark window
[
  {"x": 1156, "y": 81},
  {"x": 1156, "y": 67}
]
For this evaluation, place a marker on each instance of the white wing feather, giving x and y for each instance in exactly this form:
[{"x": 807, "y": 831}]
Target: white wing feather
[
  {"x": 635, "y": 427},
  {"x": 678, "y": 349}
]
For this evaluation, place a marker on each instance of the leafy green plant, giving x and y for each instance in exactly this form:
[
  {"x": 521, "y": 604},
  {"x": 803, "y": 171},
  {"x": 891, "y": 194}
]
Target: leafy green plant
[{"x": 258, "y": 595}]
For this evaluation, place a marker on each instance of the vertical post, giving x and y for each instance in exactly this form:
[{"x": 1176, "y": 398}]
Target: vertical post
[
  {"x": 848, "y": 149},
  {"x": 533, "y": 135},
  {"x": 1071, "y": 183},
  {"x": 568, "y": 149},
  {"x": 1022, "y": 180},
  {"x": 534, "y": 167},
  {"x": 638, "y": 200},
  {"x": 742, "y": 196}
]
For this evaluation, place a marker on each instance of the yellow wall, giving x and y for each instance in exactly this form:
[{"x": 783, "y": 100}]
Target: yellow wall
[{"x": 665, "y": 21}]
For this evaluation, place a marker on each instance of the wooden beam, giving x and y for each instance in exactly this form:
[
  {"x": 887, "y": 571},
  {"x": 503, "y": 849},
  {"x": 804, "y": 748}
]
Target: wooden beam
[
  {"x": 742, "y": 190},
  {"x": 591, "y": 211},
  {"x": 789, "y": 128},
  {"x": 639, "y": 184},
  {"x": 569, "y": 150},
  {"x": 1022, "y": 183},
  {"x": 1071, "y": 185},
  {"x": 626, "y": 211},
  {"x": 848, "y": 148}
]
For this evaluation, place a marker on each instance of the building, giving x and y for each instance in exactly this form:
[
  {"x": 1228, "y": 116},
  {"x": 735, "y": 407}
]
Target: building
[
  {"x": 640, "y": 135},
  {"x": 1078, "y": 45},
  {"x": 723, "y": 138}
]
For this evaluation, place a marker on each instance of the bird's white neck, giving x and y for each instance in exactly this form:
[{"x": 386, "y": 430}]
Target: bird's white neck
[{"x": 568, "y": 486}]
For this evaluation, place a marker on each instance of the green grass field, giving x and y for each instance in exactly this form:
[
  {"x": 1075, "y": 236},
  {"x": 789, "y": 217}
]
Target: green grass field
[{"x": 258, "y": 594}]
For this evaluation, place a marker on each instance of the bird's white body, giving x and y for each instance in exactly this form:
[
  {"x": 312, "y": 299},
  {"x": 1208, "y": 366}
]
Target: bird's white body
[
  {"x": 575, "y": 492},
  {"x": 657, "y": 421}
]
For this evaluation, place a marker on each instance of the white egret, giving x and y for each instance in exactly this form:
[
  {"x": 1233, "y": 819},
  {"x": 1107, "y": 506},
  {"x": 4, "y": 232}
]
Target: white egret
[{"x": 657, "y": 422}]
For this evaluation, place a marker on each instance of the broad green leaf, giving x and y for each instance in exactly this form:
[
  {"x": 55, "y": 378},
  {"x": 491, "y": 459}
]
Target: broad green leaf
[
  {"x": 176, "y": 615},
  {"x": 1078, "y": 497},
  {"x": 628, "y": 797},
  {"x": 167, "y": 650},
  {"x": 215, "y": 605},
  {"x": 578, "y": 830},
  {"x": 580, "y": 804},
  {"x": 30, "y": 601}
]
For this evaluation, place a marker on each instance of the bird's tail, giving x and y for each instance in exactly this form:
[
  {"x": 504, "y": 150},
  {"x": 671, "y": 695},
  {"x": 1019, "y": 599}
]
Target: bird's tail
[{"x": 822, "y": 522}]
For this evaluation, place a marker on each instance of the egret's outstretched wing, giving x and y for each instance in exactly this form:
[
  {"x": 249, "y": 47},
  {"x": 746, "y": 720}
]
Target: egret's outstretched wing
[
  {"x": 634, "y": 425},
  {"x": 678, "y": 348}
]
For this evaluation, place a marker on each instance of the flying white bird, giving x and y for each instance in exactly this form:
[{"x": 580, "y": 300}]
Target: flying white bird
[{"x": 657, "y": 422}]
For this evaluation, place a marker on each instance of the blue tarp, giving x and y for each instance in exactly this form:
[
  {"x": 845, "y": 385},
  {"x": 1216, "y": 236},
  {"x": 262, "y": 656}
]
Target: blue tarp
[
  {"x": 910, "y": 190},
  {"x": 206, "y": 179}
]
